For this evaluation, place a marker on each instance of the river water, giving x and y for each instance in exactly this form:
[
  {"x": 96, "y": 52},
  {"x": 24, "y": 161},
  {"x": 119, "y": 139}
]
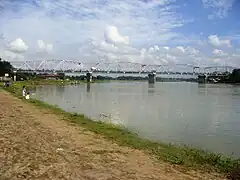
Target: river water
[{"x": 204, "y": 116}]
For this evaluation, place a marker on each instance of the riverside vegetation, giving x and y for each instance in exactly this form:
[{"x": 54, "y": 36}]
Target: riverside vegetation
[{"x": 186, "y": 156}]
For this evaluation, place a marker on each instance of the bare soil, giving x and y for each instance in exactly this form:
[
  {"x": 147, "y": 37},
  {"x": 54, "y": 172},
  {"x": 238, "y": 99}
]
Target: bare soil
[{"x": 36, "y": 144}]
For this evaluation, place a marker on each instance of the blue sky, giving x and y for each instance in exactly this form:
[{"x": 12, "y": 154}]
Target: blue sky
[{"x": 203, "y": 32}]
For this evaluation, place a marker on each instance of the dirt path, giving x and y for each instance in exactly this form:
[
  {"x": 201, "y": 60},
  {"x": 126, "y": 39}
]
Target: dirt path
[{"x": 35, "y": 144}]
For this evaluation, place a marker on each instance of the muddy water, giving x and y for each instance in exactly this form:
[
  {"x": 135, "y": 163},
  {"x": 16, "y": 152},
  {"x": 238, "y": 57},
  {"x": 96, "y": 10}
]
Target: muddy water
[{"x": 204, "y": 116}]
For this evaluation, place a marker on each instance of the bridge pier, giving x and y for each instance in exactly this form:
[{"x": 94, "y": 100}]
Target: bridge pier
[
  {"x": 152, "y": 78},
  {"x": 202, "y": 78},
  {"x": 89, "y": 76}
]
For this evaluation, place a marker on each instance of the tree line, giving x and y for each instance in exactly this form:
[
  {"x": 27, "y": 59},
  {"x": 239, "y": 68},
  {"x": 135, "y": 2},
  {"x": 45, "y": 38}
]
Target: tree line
[
  {"x": 5, "y": 67},
  {"x": 235, "y": 76}
]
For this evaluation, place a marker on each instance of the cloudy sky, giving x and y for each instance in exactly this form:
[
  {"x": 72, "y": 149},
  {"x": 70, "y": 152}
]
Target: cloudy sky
[{"x": 199, "y": 32}]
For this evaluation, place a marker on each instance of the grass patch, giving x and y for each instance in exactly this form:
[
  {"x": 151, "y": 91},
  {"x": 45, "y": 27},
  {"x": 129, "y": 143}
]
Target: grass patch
[{"x": 189, "y": 157}]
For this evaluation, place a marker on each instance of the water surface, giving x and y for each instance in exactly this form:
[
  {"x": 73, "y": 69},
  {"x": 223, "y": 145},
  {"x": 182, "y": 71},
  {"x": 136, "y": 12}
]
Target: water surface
[{"x": 200, "y": 115}]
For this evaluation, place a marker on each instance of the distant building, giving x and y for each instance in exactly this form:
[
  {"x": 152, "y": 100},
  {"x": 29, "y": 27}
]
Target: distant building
[{"x": 5, "y": 79}]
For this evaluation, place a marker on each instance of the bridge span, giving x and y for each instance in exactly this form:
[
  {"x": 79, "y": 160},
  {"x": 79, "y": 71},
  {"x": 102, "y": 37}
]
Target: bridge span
[{"x": 54, "y": 65}]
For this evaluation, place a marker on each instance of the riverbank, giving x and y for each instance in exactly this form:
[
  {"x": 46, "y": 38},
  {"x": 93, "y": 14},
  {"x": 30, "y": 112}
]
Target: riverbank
[{"x": 189, "y": 158}]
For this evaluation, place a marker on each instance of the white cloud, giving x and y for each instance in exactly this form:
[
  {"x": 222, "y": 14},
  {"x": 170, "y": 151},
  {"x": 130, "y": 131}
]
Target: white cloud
[
  {"x": 44, "y": 47},
  {"x": 178, "y": 51},
  {"x": 112, "y": 36},
  {"x": 218, "y": 52},
  {"x": 192, "y": 51},
  {"x": 18, "y": 46},
  {"x": 11, "y": 56},
  {"x": 236, "y": 55},
  {"x": 166, "y": 47},
  {"x": 157, "y": 2},
  {"x": 108, "y": 47},
  {"x": 181, "y": 48},
  {"x": 70, "y": 24},
  {"x": 216, "y": 41},
  {"x": 220, "y": 8}
]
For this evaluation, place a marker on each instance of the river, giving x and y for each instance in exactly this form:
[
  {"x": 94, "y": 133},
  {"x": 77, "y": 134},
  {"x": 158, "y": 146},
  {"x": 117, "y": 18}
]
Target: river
[{"x": 204, "y": 116}]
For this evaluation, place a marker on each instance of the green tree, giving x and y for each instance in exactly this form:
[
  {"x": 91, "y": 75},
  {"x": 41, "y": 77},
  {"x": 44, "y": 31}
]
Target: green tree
[
  {"x": 5, "y": 67},
  {"x": 235, "y": 76}
]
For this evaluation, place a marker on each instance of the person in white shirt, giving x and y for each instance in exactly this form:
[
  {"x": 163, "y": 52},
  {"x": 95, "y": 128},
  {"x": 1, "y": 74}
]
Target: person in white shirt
[{"x": 23, "y": 91}]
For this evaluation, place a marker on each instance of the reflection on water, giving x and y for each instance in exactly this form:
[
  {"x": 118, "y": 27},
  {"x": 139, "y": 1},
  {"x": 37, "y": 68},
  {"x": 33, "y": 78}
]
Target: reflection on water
[
  {"x": 201, "y": 85},
  {"x": 201, "y": 115},
  {"x": 151, "y": 88},
  {"x": 88, "y": 87}
]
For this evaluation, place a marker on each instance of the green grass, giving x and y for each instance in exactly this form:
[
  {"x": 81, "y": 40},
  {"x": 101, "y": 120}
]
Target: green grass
[
  {"x": 186, "y": 156},
  {"x": 45, "y": 81}
]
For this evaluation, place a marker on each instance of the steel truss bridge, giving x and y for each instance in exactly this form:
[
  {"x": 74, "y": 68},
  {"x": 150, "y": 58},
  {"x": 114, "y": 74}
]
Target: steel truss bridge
[{"x": 120, "y": 67}]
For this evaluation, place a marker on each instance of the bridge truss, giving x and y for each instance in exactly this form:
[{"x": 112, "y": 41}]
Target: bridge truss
[{"x": 117, "y": 66}]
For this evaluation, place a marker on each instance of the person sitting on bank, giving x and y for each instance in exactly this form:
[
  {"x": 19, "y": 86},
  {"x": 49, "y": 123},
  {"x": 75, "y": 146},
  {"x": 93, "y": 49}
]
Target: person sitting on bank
[
  {"x": 27, "y": 95},
  {"x": 7, "y": 84},
  {"x": 23, "y": 91}
]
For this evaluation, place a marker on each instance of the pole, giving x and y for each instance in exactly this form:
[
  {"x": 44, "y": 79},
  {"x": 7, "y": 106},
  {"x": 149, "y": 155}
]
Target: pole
[{"x": 15, "y": 76}]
